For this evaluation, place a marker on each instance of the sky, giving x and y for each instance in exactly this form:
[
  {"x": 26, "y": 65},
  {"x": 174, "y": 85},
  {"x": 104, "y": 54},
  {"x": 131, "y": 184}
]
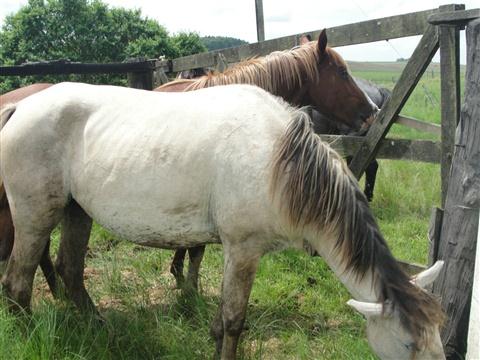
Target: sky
[{"x": 237, "y": 19}]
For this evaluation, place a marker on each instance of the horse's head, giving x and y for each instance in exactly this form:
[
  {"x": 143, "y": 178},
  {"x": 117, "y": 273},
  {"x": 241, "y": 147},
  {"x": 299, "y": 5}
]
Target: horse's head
[
  {"x": 336, "y": 94},
  {"x": 389, "y": 338}
]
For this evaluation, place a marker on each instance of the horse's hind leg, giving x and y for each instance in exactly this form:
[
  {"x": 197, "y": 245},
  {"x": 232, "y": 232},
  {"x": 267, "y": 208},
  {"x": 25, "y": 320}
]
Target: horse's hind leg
[
  {"x": 70, "y": 262},
  {"x": 27, "y": 252},
  {"x": 196, "y": 255}
]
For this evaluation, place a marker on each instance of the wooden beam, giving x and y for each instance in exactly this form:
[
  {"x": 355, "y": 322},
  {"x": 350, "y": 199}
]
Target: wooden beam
[
  {"x": 449, "y": 37},
  {"x": 434, "y": 229},
  {"x": 141, "y": 80},
  {"x": 411, "y": 74},
  {"x": 260, "y": 22},
  {"x": 393, "y": 149},
  {"x": 159, "y": 77},
  {"x": 419, "y": 125},
  {"x": 221, "y": 63},
  {"x": 473, "y": 351},
  {"x": 458, "y": 237},
  {"x": 454, "y": 17},
  {"x": 391, "y": 27},
  {"x": 67, "y": 67}
]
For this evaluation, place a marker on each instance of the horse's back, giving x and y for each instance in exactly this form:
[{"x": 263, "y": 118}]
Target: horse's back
[{"x": 150, "y": 166}]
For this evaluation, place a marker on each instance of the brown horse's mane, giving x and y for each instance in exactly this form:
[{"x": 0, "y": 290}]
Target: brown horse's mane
[
  {"x": 280, "y": 70},
  {"x": 318, "y": 191}
]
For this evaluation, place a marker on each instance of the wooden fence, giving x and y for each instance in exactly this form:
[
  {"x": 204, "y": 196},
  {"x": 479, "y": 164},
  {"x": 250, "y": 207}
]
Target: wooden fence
[
  {"x": 440, "y": 29},
  {"x": 147, "y": 74}
]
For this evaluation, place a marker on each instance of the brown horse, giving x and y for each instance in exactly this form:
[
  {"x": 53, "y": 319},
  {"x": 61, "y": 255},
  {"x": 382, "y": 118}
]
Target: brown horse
[
  {"x": 310, "y": 75},
  {"x": 313, "y": 75},
  {"x": 15, "y": 96}
]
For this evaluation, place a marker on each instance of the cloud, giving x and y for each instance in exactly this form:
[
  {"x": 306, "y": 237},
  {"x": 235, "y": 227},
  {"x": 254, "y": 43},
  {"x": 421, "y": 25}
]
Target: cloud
[{"x": 278, "y": 18}]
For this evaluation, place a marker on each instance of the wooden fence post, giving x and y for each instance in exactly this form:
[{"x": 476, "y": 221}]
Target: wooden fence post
[
  {"x": 416, "y": 66},
  {"x": 473, "y": 344},
  {"x": 221, "y": 63},
  {"x": 141, "y": 80},
  {"x": 159, "y": 78},
  {"x": 460, "y": 221},
  {"x": 449, "y": 37}
]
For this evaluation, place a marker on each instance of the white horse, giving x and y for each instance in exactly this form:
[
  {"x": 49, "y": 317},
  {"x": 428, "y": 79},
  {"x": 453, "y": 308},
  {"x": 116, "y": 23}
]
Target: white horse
[{"x": 171, "y": 170}]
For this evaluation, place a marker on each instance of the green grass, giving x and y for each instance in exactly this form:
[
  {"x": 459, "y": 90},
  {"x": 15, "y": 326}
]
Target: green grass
[{"x": 297, "y": 308}]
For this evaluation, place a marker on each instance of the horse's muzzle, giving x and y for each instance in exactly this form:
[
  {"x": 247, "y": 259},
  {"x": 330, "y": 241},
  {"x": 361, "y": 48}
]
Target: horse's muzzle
[{"x": 368, "y": 121}]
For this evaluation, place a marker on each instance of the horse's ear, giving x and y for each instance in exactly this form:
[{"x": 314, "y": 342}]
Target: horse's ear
[
  {"x": 365, "y": 308},
  {"x": 428, "y": 276},
  {"x": 322, "y": 42}
]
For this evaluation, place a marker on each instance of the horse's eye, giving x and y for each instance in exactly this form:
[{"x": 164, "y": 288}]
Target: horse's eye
[{"x": 343, "y": 72}]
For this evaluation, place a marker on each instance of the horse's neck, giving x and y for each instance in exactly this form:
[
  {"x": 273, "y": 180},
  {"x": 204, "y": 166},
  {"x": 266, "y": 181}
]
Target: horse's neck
[
  {"x": 293, "y": 94},
  {"x": 361, "y": 288}
]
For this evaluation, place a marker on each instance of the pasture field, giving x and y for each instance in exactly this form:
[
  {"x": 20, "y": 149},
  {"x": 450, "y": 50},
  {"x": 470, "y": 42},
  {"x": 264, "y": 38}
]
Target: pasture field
[{"x": 297, "y": 309}]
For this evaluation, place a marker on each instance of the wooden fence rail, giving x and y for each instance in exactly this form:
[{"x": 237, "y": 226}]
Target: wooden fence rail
[
  {"x": 357, "y": 33},
  {"x": 387, "y": 28},
  {"x": 59, "y": 67}
]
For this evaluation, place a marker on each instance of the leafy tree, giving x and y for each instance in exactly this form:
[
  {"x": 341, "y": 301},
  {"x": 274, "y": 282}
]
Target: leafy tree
[
  {"x": 221, "y": 42},
  {"x": 84, "y": 31},
  {"x": 187, "y": 44}
]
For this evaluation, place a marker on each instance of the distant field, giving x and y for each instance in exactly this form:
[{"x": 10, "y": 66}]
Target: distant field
[{"x": 297, "y": 309}]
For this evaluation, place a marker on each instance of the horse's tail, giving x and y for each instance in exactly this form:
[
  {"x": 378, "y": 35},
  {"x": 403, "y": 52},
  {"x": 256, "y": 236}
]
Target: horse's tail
[
  {"x": 6, "y": 225},
  {"x": 6, "y": 113}
]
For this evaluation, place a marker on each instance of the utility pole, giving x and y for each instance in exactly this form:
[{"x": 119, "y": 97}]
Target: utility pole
[{"x": 260, "y": 23}]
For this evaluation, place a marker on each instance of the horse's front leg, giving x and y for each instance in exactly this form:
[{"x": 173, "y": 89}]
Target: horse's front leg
[
  {"x": 48, "y": 270},
  {"x": 70, "y": 262},
  {"x": 176, "y": 269},
  {"x": 370, "y": 177},
  {"x": 196, "y": 255},
  {"x": 239, "y": 272}
]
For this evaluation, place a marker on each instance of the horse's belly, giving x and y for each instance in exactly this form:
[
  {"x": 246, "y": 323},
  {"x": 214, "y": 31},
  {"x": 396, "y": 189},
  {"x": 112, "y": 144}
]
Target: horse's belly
[
  {"x": 160, "y": 208},
  {"x": 177, "y": 234},
  {"x": 157, "y": 228}
]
